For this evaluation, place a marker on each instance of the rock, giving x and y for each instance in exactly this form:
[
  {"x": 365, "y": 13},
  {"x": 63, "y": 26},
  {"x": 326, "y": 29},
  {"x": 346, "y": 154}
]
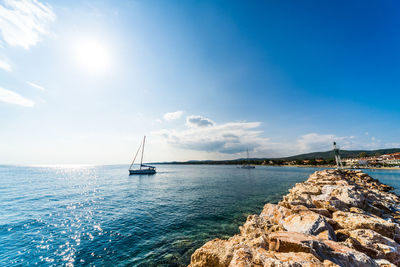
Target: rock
[
  {"x": 341, "y": 254},
  {"x": 290, "y": 242},
  {"x": 341, "y": 197},
  {"x": 382, "y": 247},
  {"x": 353, "y": 221},
  {"x": 308, "y": 222},
  {"x": 275, "y": 213},
  {"x": 322, "y": 249},
  {"x": 349, "y": 196},
  {"x": 297, "y": 259},
  {"x": 326, "y": 235},
  {"x": 242, "y": 257},
  {"x": 323, "y": 212},
  {"x": 299, "y": 219},
  {"x": 384, "y": 263},
  {"x": 218, "y": 253},
  {"x": 328, "y": 263},
  {"x": 254, "y": 227},
  {"x": 290, "y": 259},
  {"x": 335, "y": 218}
]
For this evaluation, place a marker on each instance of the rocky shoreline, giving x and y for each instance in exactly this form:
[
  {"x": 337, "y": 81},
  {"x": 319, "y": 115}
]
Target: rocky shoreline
[{"x": 335, "y": 218}]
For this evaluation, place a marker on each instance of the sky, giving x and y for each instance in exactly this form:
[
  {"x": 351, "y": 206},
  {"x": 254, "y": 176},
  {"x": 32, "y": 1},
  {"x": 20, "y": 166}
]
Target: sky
[{"x": 81, "y": 82}]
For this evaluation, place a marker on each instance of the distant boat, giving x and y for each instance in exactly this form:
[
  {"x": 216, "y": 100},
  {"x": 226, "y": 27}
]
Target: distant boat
[
  {"x": 247, "y": 166},
  {"x": 143, "y": 169}
]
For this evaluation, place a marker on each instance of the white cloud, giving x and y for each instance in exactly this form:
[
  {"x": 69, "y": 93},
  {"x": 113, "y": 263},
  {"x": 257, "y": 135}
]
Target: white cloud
[
  {"x": 36, "y": 86},
  {"x": 316, "y": 142},
  {"x": 14, "y": 98},
  {"x": 23, "y": 21},
  {"x": 227, "y": 138},
  {"x": 392, "y": 145},
  {"x": 5, "y": 65},
  {"x": 170, "y": 116},
  {"x": 198, "y": 121}
]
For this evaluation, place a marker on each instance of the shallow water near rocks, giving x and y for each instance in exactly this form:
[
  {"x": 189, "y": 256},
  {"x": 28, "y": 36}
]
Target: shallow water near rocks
[{"x": 98, "y": 215}]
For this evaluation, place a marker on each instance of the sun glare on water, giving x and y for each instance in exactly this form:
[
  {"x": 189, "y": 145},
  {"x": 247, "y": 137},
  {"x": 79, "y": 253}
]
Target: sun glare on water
[{"x": 93, "y": 56}]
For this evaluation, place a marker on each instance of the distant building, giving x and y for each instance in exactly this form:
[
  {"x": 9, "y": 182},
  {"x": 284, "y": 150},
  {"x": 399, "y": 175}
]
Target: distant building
[
  {"x": 350, "y": 161},
  {"x": 387, "y": 159}
]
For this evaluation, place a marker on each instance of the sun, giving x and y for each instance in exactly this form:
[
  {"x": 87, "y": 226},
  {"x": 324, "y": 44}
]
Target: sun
[{"x": 92, "y": 55}]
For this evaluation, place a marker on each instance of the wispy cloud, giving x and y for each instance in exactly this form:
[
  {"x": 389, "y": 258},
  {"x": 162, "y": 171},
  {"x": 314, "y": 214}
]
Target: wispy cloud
[
  {"x": 316, "y": 142},
  {"x": 392, "y": 145},
  {"x": 198, "y": 121},
  {"x": 22, "y": 22},
  {"x": 14, "y": 98},
  {"x": 5, "y": 66},
  {"x": 170, "y": 116},
  {"x": 36, "y": 86}
]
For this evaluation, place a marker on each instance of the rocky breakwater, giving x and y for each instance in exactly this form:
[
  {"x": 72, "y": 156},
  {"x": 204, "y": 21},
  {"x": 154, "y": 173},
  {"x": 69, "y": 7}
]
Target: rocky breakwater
[{"x": 335, "y": 218}]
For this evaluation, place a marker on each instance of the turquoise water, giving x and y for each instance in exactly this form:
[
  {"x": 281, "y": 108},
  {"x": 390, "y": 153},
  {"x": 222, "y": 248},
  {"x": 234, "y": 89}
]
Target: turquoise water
[{"x": 98, "y": 215}]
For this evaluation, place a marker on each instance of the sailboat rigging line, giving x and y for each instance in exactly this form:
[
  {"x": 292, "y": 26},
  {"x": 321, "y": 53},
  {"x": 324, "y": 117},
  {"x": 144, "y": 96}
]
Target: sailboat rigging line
[
  {"x": 137, "y": 152},
  {"x": 141, "y": 159}
]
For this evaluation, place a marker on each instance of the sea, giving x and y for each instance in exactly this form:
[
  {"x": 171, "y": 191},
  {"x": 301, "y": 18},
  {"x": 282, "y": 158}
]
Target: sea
[{"x": 100, "y": 216}]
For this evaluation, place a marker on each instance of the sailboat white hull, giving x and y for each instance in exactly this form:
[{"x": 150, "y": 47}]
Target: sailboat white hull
[
  {"x": 145, "y": 171},
  {"x": 248, "y": 167}
]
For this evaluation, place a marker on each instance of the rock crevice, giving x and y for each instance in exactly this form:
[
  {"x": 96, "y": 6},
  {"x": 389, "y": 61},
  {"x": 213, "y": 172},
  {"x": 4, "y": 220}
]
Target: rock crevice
[{"x": 335, "y": 218}]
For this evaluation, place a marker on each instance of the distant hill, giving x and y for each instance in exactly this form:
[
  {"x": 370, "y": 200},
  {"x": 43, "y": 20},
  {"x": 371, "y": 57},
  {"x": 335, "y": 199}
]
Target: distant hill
[
  {"x": 343, "y": 154},
  {"x": 313, "y": 155}
]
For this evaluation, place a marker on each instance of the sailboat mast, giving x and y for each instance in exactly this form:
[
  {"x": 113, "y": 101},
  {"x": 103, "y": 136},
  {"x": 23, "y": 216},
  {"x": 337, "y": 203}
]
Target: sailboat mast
[
  {"x": 141, "y": 159},
  {"x": 247, "y": 156}
]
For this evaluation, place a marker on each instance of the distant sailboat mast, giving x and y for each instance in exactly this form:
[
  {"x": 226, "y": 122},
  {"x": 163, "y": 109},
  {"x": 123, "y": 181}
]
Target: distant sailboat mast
[{"x": 247, "y": 164}]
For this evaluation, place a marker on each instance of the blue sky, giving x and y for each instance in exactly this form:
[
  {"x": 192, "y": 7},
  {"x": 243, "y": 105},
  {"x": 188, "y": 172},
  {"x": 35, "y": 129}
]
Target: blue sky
[{"x": 83, "y": 82}]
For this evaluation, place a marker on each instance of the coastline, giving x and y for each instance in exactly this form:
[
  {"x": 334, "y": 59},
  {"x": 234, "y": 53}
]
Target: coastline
[
  {"x": 333, "y": 166},
  {"x": 335, "y": 218},
  {"x": 278, "y": 165}
]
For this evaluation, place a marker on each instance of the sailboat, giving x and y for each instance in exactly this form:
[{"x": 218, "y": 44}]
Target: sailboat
[
  {"x": 143, "y": 169},
  {"x": 247, "y": 165}
]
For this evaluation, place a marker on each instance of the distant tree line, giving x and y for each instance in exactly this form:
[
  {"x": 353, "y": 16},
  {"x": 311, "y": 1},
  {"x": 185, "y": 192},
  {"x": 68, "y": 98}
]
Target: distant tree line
[{"x": 273, "y": 162}]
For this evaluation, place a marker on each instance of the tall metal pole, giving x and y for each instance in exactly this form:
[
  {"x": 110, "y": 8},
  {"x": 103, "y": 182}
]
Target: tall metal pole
[
  {"x": 337, "y": 156},
  {"x": 141, "y": 160}
]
